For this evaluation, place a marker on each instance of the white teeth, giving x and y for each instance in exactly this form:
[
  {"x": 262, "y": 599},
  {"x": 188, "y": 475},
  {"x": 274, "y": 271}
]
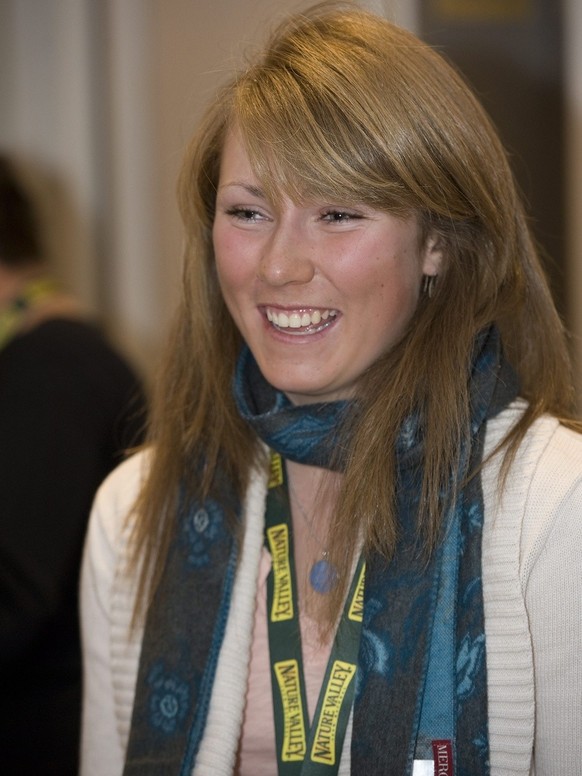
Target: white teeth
[{"x": 299, "y": 320}]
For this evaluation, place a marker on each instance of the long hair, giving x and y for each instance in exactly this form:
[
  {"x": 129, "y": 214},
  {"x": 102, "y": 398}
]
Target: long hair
[{"x": 345, "y": 106}]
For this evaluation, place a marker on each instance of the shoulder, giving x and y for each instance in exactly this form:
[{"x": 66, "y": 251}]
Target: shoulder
[
  {"x": 532, "y": 538},
  {"x": 117, "y": 494},
  {"x": 110, "y": 648},
  {"x": 110, "y": 520},
  {"x": 55, "y": 335},
  {"x": 546, "y": 436},
  {"x": 107, "y": 543},
  {"x": 542, "y": 495},
  {"x": 550, "y": 454},
  {"x": 65, "y": 345},
  {"x": 65, "y": 353}
]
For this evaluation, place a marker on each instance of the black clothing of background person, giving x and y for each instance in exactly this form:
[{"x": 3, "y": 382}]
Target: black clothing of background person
[{"x": 69, "y": 405}]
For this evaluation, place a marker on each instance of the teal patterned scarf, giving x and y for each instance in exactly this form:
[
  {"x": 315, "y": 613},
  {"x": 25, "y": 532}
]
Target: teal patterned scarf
[{"x": 421, "y": 684}]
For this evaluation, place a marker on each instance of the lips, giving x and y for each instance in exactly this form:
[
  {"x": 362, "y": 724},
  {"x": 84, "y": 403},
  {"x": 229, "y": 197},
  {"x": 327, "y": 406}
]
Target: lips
[{"x": 301, "y": 320}]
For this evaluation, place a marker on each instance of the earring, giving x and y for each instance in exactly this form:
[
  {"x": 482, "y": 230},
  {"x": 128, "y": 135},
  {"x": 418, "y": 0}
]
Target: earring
[{"x": 428, "y": 284}]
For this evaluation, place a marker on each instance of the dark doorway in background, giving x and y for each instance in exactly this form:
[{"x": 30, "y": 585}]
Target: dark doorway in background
[{"x": 511, "y": 52}]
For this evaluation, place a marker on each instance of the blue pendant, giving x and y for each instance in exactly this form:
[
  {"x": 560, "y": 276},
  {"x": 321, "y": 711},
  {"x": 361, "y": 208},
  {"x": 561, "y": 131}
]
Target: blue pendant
[{"x": 323, "y": 576}]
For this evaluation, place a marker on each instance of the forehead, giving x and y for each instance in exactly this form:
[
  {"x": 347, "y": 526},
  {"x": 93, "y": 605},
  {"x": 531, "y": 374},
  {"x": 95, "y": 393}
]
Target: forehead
[
  {"x": 235, "y": 163},
  {"x": 272, "y": 177},
  {"x": 268, "y": 179},
  {"x": 273, "y": 181},
  {"x": 237, "y": 173}
]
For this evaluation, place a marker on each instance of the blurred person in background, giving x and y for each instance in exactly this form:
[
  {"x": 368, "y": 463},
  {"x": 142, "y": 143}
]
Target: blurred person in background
[{"x": 69, "y": 407}]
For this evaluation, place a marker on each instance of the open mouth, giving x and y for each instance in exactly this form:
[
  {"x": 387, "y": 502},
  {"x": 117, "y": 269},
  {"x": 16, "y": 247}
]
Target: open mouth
[{"x": 301, "y": 321}]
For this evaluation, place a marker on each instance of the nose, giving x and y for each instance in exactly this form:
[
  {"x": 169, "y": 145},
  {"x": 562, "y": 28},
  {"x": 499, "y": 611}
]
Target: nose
[{"x": 287, "y": 257}]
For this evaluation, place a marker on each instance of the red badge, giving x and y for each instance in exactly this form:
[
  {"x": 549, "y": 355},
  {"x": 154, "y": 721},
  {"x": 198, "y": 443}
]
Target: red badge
[{"x": 442, "y": 752}]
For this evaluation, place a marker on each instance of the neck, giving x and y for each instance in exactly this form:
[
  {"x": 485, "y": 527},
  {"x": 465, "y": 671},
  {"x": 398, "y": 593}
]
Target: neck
[
  {"x": 14, "y": 281},
  {"x": 27, "y": 299}
]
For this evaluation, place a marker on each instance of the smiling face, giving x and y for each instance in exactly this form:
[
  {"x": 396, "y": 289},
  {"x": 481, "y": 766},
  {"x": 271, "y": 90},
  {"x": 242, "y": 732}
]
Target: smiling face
[{"x": 319, "y": 291}]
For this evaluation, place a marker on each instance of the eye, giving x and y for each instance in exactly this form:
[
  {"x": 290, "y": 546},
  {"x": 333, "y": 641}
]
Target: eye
[
  {"x": 338, "y": 216},
  {"x": 246, "y": 214}
]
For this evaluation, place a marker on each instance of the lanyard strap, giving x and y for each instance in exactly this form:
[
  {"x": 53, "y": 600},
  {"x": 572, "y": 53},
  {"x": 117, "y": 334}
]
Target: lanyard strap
[{"x": 302, "y": 750}]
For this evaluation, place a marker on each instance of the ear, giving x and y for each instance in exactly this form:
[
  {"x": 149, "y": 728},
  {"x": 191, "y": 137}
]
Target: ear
[{"x": 432, "y": 255}]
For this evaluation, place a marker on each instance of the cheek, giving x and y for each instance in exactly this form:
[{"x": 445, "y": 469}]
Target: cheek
[
  {"x": 396, "y": 279},
  {"x": 230, "y": 262},
  {"x": 393, "y": 296}
]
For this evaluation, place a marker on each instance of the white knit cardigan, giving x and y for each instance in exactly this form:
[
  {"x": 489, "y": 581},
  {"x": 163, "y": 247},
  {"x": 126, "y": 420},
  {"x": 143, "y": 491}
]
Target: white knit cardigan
[{"x": 533, "y": 615}]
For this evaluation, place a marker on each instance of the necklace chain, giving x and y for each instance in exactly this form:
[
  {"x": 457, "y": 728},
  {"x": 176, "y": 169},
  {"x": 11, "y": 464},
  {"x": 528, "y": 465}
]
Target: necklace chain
[
  {"x": 323, "y": 575},
  {"x": 305, "y": 516}
]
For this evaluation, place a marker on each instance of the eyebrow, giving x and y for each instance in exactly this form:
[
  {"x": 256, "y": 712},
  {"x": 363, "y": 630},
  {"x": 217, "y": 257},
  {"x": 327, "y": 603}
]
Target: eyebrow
[{"x": 255, "y": 191}]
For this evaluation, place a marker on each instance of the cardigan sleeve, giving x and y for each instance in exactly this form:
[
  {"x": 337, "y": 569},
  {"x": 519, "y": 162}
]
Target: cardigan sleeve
[
  {"x": 552, "y": 582},
  {"x": 102, "y": 745}
]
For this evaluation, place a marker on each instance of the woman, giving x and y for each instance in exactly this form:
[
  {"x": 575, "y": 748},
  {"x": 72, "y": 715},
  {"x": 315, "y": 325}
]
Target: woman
[{"x": 358, "y": 475}]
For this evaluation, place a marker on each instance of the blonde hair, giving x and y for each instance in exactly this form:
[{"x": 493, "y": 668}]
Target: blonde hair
[{"x": 344, "y": 105}]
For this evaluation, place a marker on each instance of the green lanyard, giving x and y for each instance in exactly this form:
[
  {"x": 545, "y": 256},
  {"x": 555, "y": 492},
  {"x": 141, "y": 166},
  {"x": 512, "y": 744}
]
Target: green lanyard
[
  {"x": 301, "y": 750},
  {"x": 12, "y": 317}
]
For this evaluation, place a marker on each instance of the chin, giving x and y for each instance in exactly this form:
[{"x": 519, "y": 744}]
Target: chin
[{"x": 298, "y": 394}]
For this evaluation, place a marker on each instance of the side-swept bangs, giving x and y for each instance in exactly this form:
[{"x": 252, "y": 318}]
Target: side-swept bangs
[
  {"x": 317, "y": 122},
  {"x": 350, "y": 107}
]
